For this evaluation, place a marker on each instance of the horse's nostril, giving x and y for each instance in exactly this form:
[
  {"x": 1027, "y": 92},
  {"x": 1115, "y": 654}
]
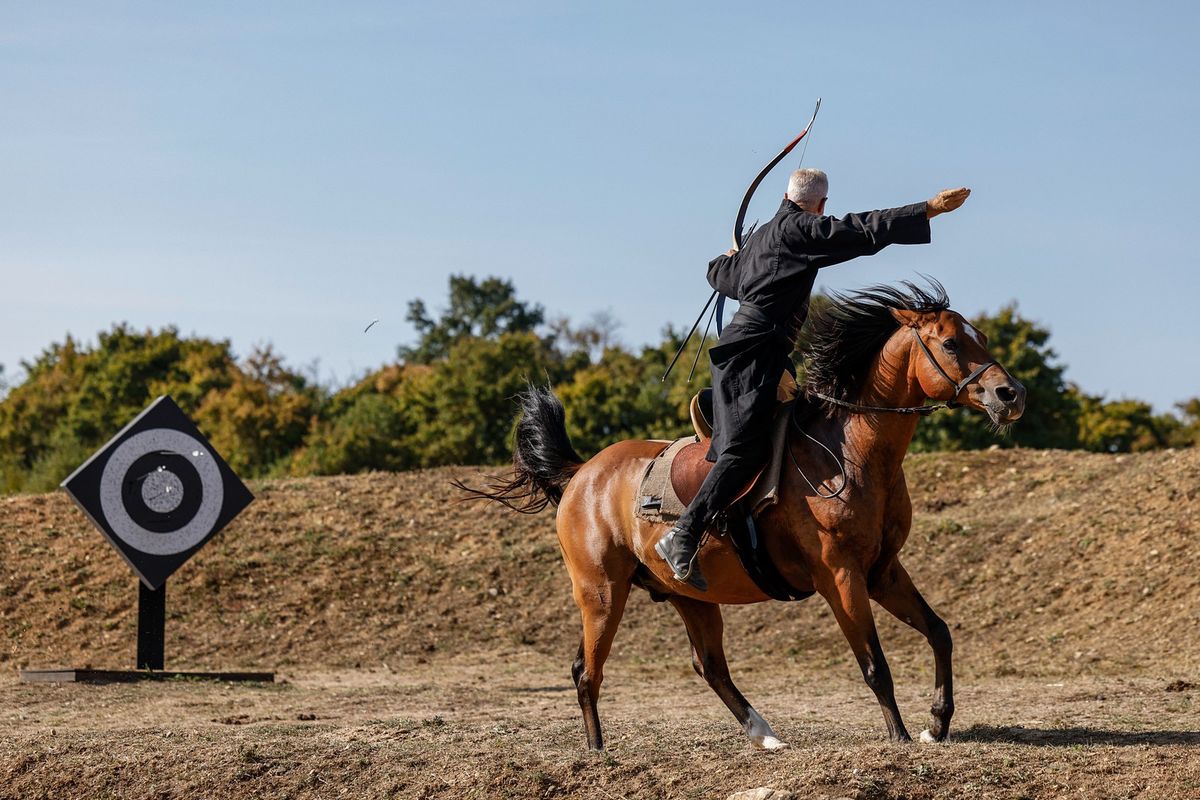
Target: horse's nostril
[{"x": 1006, "y": 394}]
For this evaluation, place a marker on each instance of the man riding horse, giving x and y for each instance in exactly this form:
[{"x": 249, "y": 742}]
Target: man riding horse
[{"x": 772, "y": 278}]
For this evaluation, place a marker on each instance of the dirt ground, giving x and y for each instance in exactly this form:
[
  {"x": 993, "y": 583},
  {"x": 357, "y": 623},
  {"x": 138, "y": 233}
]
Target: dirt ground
[
  {"x": 507, "y": 726},
  {"x": 424, "y": 649}
]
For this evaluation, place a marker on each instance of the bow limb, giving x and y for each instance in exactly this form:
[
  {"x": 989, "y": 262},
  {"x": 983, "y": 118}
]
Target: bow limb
[{"x": 741, "y": 215}]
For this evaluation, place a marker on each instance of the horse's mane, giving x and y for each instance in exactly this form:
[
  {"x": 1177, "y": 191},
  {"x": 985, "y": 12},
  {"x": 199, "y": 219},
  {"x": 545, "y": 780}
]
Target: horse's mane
[{"x": 845, "y": 337}]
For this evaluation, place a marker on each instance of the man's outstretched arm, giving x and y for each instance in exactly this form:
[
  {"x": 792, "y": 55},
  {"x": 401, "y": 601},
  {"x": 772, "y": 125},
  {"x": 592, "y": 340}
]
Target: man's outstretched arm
[
  {"x": 946, "y": 201},
  {"x": 829, "y": 240}
]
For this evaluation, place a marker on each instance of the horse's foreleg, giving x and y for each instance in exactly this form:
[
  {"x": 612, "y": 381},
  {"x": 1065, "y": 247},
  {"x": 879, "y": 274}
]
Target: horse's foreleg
[
  {"x": 900, "y": 597},
  {"x": 705, "y": 630},
  {"x": 845, "y": 589},
  {"x": 601, "y": 603}
]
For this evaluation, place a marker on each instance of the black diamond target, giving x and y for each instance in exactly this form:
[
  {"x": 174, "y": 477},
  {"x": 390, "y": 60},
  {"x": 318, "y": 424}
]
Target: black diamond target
[{"x": 158, "y": 491}]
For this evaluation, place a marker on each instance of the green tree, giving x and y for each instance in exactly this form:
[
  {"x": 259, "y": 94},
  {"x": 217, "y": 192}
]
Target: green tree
[
  {"x": 1051, "y": 409},
  {"x": 478, "y": 309},
  {"x": 261, "y": 416},
  {"x": 74, "y": 398},
  {"x": 463, "y": 413},
  {"x": 618, "y": 397},
  {"x": 366, "y": 426},
  {"x": 1121, "y": 426},
  {"x": 1187, "y": 432}
]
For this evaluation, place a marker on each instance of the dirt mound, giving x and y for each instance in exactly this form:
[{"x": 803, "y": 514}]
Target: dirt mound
[{"x": 1044, "y": 563}]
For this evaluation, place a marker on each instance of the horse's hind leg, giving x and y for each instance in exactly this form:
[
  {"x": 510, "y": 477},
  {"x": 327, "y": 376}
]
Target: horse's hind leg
[
  {"x": 601, "y": 603},
  {"x": 899, "y": 596},
  {"x": 705, "y": 630}
]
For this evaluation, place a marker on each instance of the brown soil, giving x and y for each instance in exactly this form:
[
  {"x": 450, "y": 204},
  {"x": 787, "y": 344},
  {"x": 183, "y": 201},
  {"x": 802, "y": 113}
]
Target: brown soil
[{"x": 432, "y": 641}]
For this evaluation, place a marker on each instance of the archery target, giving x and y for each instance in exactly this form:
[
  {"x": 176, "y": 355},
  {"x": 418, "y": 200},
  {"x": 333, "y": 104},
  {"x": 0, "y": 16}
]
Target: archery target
[
  {"x": 158, "y": 491},
  {"x": 161, "y": 492}
]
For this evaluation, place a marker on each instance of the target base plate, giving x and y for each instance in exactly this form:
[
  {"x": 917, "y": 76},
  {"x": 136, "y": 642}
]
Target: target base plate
[{"x": 131, "y": 676}]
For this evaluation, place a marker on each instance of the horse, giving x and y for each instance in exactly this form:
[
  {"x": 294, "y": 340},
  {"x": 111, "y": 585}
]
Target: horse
[{"x": 875, "y": 357}]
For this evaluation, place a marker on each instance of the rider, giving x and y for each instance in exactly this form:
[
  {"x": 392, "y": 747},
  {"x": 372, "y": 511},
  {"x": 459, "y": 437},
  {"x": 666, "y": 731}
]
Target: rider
[{"x": 772, "y": 277}]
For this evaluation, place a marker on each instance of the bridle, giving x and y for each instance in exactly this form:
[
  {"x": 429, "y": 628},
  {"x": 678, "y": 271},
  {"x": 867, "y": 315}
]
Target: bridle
[
  {"x": 860, "y": 408},
  {"x": 924, "y": 410}
]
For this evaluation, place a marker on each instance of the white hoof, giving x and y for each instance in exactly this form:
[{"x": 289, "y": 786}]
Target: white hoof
[
  {"x": 760, "y": 733},
  {"x": 767, "y": 743},
  {"x": 928, "y": 738}
]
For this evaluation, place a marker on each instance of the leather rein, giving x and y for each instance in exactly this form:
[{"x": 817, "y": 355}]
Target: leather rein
[{"x": 924, "y": 411}]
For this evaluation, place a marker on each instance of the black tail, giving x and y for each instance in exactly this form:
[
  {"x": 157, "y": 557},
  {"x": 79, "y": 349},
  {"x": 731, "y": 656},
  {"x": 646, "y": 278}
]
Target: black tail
[{"x": 543, "y": 458}]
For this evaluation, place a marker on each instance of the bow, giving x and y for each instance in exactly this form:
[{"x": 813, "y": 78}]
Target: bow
[
  {"x": 719, "y": 308},
  {"x": 741, "y": 215}
]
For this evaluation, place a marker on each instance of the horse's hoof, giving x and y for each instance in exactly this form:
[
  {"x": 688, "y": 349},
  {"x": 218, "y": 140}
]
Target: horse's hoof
[
  {"x": 767, "y": 743},
  {"x": 929, "y": 738}
]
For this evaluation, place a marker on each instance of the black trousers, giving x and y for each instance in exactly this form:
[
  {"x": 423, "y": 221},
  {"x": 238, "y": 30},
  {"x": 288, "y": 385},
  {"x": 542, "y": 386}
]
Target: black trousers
[
  {"x": 735, "y": 467},
  {"x": 744, "y": 400}
]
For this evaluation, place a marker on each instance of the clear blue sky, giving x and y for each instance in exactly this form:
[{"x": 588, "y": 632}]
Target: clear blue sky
[{"x": 287, "y": 172}]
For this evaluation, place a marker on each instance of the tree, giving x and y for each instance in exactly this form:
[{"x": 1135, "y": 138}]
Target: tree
[
  {"x": 261, "y": 416},
  {"x": 74, "y": 398},
  {"x": 591, "y": 340},
  {"x": 478, "y": 309},
  {"x": 1121, "y": 426},
  {"x": 366, "y": 426},
  {"x": 1020, "y": 346},
  {"x": 619, "y": 397},
  {"x": 462, "y": 411},
  {"x": 1187, "y": 432}
]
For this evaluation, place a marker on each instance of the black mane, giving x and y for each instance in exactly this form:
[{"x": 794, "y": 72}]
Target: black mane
[{"x": 845, "y": 337}]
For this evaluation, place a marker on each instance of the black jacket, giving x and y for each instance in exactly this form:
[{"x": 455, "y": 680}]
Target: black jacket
[
  {"x": 772, "y": 278},
  {"x": 775, "y": 269}
]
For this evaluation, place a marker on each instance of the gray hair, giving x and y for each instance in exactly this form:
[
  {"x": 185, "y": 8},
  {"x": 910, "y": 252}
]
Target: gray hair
[{"x": 808, "y": 187}]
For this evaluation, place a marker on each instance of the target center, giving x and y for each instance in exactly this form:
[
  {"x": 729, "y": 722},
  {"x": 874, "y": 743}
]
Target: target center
[{"x": 162, "y": 491}]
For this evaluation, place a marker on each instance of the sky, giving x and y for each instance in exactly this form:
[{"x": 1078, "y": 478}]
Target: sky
[{"x": 287, "y": 172}]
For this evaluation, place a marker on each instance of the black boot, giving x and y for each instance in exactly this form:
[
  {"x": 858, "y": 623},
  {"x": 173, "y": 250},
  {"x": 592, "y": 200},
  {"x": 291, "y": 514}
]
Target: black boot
[{"x": 678, "y": 548}]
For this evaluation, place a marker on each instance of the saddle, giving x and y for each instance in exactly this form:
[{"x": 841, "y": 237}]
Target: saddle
[
  {"x": 673, "y": 478},
  {"x": 690, "y": 466}
]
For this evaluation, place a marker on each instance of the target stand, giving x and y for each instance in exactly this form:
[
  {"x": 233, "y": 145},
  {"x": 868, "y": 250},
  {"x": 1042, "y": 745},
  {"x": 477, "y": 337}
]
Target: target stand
[{"x": 158, "y": 491}]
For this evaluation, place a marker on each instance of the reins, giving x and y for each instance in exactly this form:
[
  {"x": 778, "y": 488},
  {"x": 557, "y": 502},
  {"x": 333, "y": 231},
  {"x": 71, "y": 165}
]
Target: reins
[
  {"x": 922, "y": 410},
  {"x": 860, "y": 408},
  {"x": 836, "y": 460}
]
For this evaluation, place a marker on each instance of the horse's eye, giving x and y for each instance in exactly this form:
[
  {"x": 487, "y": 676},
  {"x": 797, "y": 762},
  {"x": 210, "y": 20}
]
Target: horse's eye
[{"x": 950, "y": 346}]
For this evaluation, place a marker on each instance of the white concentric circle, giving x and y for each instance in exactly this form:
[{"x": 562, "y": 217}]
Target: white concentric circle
[{"x": 133, "y": 534}]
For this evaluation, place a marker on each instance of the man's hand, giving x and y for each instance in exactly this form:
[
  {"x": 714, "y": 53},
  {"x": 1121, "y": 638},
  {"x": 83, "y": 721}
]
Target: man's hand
[
  {"x": 732, "y": 250},
  {"x": 947, "y": 200}
]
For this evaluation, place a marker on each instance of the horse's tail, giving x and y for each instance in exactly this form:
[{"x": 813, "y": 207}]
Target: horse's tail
[{"x": 543, "y": 458}]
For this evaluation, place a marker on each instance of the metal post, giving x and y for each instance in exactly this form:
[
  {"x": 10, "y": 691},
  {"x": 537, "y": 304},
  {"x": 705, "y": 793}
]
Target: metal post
[{"x": 152, "y": 616}]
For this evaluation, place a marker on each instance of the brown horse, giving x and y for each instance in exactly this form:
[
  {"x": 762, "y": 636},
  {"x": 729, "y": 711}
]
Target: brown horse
[{"x": 881, "y": 348}]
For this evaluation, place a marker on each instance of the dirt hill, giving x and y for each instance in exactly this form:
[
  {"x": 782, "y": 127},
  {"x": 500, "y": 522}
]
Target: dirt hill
[{"x": 1044, "y": 563}]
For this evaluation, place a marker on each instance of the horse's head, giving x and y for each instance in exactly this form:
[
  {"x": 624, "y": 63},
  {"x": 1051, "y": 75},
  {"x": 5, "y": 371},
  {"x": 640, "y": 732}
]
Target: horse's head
[{"x": 952, "y": 363}]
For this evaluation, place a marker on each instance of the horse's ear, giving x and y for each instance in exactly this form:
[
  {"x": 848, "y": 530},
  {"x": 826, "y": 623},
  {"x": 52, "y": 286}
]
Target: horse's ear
[{"x": 907, "y": 318}]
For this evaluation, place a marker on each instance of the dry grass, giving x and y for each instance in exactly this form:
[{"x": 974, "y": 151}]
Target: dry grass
[{"x": 432, "y": 642}]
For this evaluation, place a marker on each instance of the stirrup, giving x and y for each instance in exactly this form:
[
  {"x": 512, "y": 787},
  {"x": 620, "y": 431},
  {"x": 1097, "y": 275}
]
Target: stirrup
[{"x": 691, "y": 576}]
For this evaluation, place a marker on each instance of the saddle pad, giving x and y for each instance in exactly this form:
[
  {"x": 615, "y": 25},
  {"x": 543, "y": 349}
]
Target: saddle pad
[{"x": 656, "y": 500}]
